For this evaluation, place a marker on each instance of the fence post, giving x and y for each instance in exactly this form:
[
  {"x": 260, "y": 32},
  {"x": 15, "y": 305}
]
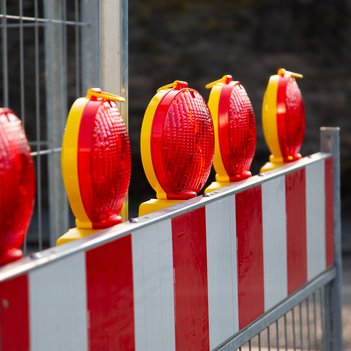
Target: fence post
[
  {"x": 56, "y": 114},
  {"x": 90, "y": 45},
  {"x": 330, "y": 142},
  {"x": 114, "y": 57}
]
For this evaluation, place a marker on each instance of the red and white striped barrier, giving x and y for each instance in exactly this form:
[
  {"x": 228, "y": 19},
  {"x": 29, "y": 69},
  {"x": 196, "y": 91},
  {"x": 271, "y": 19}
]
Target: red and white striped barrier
[{"x": 185, "y": 278}]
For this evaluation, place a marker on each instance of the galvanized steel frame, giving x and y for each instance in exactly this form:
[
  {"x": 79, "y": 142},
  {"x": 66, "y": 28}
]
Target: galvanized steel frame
[
  {"x": 270, "y": 317},
  {"x": 330, "y": 142}
]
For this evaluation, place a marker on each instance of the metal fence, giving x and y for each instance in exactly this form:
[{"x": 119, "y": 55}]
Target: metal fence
[
  {"x": 300, "y": 323},
  {"x": 50, "y": 56}
]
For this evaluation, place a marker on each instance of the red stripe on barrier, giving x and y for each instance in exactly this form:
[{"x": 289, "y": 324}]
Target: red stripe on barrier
[
  {"x": 295, "y": 190},
  {"x": 110, "y": 296},
  {"x": 14, "y": 316},
  {"x": 249, "y": 232},
  {"x": 329, "y": 211},
  {"x": 190, "y": 281}
]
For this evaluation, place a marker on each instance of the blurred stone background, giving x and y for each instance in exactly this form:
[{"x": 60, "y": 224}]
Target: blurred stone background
[{"x": 200, "y": 41}]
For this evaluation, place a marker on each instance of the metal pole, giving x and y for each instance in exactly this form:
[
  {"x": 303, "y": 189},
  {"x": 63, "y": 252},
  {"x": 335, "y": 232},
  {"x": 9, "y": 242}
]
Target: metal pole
[
  {"x": 330, "y": 142},
  {"x": 327, "y": 335},
  {"x": 114, "y": 56},
  {"x": 5, "y": 102},
  {"x": 90, "y": 45},
  {"x": 37, "y": 120},
  {"x": 56, "y": 114}
]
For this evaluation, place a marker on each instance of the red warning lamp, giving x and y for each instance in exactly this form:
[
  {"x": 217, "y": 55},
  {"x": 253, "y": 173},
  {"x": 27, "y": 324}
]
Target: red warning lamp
[
  {"x": 17, "y": 184},
  {"x": 235, "y": 130},
  {"x": 283, "y": 119},
  {"x": 96, "y": 163},
  {"x": 177, "y": 145}
]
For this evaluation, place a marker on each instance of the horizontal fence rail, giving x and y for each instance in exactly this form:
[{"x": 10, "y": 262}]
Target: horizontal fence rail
[{"x": 209, "y": 273}]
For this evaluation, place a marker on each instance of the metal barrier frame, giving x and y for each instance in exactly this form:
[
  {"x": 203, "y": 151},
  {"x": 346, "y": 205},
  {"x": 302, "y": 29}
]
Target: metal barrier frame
[
  {"x": 330, "y": 279},
  {"x": 330, "y": 142}
]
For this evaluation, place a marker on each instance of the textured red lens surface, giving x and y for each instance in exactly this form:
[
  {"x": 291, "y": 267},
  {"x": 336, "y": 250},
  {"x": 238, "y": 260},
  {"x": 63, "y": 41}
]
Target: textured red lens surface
[
  {"x": 239, "y": 133},
  {"x": 17, "y": 182},
  {"x": 109, "y": 165},
  {"x": 291, "y": 124},
  {"x": 187, "y": 145}
]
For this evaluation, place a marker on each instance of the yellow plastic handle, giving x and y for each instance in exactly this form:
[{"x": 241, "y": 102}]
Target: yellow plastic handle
[
  {"x": 101, "y": 94},
  {"x": 224, "y": 80},
  {"x": 282, "y": 72},
  {"x": 175, "y": 84}
]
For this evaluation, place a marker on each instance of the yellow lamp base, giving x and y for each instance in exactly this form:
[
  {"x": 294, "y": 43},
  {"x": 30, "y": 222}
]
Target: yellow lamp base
[
  {"x": 156, "y": 205},
  {"x": 217, "y": 185},
  {"x": 75, "y": 234}
]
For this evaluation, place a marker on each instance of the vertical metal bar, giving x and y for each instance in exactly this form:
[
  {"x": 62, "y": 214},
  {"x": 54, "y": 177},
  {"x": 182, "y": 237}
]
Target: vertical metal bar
[
  {"x": 268, "y": 340},
  {"x": 330, "y": 142},
  {"x": 90, "y": 44},
  {"x": 327, "y": 326},
  {"x": 76, "y": 12},
  {"x": 114, "y": 57},
  {"x": 250, "y": 345},
  {"x": 308, "y": 324},
  {"x": 22, "y": 88},
  {"x": 4, "y": 55},
  {"x": 300, "y": 315},
  {"x": 21, "y": 63},
  {"x": 56, "y": 114},
  {"x": 293, "y": 327},
  {"x": 315, "y": 321},
  {"x": 322, "y": 318},
  {"x": 259, "y": 341},
  {"x": 285, "y": 334},
  {"x": 277, "y": 334},
  {"x": 64, "y": 47},
  {"x": 37, "y": 108}
]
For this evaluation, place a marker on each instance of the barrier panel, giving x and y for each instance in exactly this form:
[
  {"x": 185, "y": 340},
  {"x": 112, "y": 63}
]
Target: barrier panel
[{"x": 206, "y": 274}]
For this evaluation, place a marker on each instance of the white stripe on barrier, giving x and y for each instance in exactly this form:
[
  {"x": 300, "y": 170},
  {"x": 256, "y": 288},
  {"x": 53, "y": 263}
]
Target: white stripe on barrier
[
  {"x": 274, "y": 241},
  {"x": 222, "y": 270},
  {"x": 58, "y": 305},
  {"x": 315, "y": 218},
  {"x": 153, "y": 288}
]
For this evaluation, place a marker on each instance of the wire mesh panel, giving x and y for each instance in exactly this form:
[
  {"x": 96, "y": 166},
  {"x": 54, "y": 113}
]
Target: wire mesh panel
[
  {"x": 45, "y": 46},
  {"x": 301, "y": 322},
  {"x": 302, "y": 328}
]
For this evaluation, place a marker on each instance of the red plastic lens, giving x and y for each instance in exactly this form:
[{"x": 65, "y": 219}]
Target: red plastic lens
[
  {"x": 237, "y": 131},
  {"x": 290, "y": 118},
  {"x": 104, "y": 162},
  {"x": 182, "y": 143},
  {"x": 17, "y": 182}
]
